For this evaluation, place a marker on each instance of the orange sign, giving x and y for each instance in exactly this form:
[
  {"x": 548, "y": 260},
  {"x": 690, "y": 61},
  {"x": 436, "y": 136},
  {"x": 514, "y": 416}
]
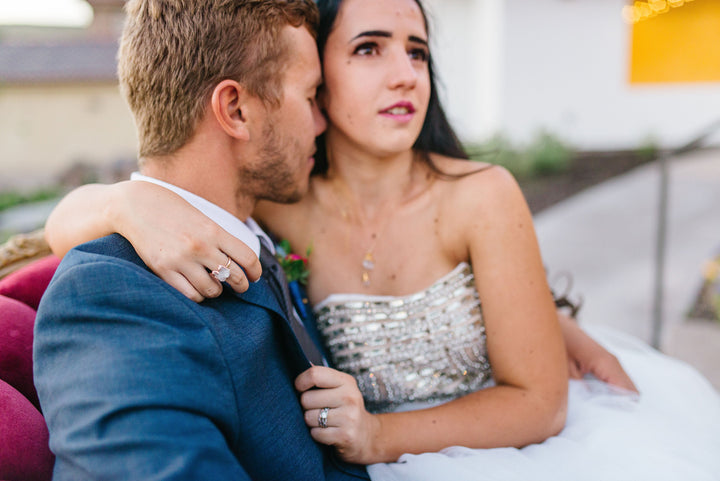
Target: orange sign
[{"x": 677, "y": 45}]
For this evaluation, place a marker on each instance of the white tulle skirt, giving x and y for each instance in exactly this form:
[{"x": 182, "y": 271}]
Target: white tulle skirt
[{"x": 670, "y": 432}]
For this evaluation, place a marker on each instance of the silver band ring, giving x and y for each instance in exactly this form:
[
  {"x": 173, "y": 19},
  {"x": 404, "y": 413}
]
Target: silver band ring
[
  {"x": 322, "y": 417},
  {"x": 222, "y": 273}
]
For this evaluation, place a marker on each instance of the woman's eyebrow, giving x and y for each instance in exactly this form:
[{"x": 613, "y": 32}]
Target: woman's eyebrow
[
  {"x": 372, "y": 33},
  {"x": 413, "y": 38},
  {"x": 386, "y": 34}
]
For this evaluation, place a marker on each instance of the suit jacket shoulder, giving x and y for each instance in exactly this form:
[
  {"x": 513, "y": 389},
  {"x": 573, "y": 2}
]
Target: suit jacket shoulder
[{"x": 161, "y": 387}]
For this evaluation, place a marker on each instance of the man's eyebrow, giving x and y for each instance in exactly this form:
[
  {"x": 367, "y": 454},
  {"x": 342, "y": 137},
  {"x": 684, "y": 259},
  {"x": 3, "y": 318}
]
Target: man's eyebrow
[{"x": 386, "y": 34}]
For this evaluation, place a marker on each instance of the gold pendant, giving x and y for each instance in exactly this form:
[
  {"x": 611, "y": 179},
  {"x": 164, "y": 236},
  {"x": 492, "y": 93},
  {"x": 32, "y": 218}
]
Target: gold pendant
[{"x": 368, "y": 264}]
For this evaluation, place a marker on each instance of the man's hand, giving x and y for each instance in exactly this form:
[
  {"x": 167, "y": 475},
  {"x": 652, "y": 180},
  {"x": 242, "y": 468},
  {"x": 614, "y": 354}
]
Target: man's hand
[{"x": 350, "y": 428}]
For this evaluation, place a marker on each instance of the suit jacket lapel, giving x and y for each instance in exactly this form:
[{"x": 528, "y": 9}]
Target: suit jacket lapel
[{"x": 261, "y": 294}]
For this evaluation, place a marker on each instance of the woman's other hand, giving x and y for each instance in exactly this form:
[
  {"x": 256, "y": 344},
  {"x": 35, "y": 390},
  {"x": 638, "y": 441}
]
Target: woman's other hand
[
  {"x": 586, "y": 356},
  {"x": 352, "y": 430}
]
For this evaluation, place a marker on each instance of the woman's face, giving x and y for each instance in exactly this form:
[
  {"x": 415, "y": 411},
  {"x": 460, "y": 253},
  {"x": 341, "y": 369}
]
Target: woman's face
[{"x": 377, "y": 83}]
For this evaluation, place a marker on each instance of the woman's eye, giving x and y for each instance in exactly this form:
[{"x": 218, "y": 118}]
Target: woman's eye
[
  {"x": 419, "y": 54},
  {"x": 366, "y": 49}
]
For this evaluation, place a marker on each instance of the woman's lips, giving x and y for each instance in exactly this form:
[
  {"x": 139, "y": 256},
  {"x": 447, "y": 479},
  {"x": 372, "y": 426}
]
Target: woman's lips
[{"x": 401, "y": 111}]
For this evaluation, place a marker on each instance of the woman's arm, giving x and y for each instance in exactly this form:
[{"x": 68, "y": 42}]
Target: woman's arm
[
  {"x": 81, "y": 216},
  {"x": 174, "y": 239},
  {"x": 585, "y": 356},
  {"x": 524, "y": 340}
]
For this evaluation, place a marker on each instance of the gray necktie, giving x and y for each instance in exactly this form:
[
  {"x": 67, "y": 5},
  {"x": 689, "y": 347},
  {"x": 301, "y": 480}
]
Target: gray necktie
[{"x": 276, "y": 278}]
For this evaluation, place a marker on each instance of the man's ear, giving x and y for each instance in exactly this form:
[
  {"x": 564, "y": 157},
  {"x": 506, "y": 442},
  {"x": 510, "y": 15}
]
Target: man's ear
[{"x": 231, "y": 107}]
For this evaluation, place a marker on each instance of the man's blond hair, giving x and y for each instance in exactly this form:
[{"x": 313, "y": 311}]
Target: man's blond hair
[{"x": 174, "y": 52}]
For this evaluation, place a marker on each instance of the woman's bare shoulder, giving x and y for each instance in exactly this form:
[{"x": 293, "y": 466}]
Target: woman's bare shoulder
[
  {"x": 476, "y": 183},
  {"x": 454, "y": 166}
]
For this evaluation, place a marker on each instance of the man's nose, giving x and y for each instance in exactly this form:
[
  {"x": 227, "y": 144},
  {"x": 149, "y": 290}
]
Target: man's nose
[{"x": 319, "y": 120}]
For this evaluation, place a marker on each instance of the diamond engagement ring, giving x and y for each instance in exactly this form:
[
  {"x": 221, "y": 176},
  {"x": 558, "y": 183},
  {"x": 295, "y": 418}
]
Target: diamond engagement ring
[
  {"x": 223, "y": 272},
  {"x": 322, "y": 417}
]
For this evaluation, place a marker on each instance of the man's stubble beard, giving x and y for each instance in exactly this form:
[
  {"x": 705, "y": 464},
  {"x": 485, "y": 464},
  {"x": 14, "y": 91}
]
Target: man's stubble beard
[{"x": 272, "y": 178}]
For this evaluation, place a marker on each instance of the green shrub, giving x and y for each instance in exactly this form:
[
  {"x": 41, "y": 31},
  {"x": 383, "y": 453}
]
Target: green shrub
[
  {"x": 545, "y": 155},
  {"x": 13, "y": 198},
  {"x": 499, "y": 150},
  {"x": 548, "y": 155},
  {"x": 649, "y": 149}
]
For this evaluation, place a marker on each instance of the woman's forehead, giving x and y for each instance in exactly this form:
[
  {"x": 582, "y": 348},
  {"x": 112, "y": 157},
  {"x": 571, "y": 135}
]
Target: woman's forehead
[{"x": 357, "y": 16}]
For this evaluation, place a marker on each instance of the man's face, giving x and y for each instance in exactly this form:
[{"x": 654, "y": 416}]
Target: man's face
[{"x": 285, "y": 156}]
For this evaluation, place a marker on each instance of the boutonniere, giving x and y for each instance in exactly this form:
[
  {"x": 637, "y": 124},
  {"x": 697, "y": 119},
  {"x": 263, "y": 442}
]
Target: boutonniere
[{"x": 295, "y": 266}]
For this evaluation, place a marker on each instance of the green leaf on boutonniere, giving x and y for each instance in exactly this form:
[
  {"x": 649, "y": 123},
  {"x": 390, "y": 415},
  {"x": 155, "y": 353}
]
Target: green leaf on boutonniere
[{"x": 295, "y": 266}]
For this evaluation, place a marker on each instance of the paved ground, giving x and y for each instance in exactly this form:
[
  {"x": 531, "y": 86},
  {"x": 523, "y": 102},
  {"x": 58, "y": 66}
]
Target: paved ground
[{"x": 605, "y": 237}]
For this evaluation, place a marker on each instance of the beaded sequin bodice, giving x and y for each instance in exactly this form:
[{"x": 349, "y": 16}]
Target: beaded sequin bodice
[{"x": 424, "y": 347}]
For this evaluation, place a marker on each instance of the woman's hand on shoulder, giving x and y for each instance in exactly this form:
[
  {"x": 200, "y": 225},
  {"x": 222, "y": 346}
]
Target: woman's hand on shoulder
[{"x": 179, "y": 243}]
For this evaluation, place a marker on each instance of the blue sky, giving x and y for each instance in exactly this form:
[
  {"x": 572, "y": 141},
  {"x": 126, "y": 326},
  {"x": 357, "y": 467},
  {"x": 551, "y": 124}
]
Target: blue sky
[{"x": 45, "y": 12}]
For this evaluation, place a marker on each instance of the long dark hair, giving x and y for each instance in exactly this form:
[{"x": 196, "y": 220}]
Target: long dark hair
[{"x": 436, "y": 135}]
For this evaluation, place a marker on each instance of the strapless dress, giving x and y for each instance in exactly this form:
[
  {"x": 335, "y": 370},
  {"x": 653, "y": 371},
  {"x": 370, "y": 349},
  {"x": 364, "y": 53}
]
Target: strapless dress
[
  {"x": 427, "y": 348},
  {"x": 424, "y": 348}
]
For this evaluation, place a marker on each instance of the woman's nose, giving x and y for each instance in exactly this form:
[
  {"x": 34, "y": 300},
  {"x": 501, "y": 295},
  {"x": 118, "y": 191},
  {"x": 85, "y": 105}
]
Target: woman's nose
[{"x": 403, "y": 72}]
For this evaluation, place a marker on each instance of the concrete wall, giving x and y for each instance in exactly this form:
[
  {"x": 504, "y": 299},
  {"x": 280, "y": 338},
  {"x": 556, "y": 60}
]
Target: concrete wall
[{"x": 46, "y": 129}]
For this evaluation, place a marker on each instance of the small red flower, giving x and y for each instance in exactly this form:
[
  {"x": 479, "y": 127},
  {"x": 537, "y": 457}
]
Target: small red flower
[{"x": 295, "y": 266}]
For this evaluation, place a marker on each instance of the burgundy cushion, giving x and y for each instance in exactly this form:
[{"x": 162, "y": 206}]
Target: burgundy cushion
[
  {"x": 16, "y": 337},
  {"x": 24, "y": 451},
  {"x": 28, "y": 283}
]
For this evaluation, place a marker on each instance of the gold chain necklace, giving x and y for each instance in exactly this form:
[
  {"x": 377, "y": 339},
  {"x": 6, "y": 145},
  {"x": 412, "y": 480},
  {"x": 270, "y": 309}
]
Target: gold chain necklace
[{"x": 368, "y": 259}]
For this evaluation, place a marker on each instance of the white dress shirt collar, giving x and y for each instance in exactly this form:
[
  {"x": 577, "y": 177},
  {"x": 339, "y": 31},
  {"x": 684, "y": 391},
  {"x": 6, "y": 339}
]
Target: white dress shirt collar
[{"x": 248, "y": 232}]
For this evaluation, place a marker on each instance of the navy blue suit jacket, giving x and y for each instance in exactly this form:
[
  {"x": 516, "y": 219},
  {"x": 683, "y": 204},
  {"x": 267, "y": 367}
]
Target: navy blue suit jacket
[{"x": 138, "y": 382}]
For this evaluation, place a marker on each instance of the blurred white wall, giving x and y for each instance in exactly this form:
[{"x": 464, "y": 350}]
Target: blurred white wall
[
  {"x": 467, "y": 44},
  {"x": 519, "y": 66},
  {"x": 45, "y": 129}
]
